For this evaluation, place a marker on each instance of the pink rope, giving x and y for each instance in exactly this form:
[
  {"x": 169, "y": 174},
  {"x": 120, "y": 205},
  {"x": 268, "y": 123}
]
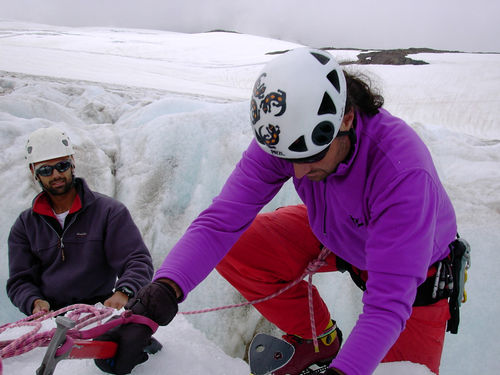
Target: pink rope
[
  {"x": 311, "y": 269},
  {"x": 34, "y": 338}
]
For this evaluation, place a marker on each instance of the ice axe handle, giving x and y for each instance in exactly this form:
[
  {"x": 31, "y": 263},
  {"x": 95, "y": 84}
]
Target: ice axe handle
[
  {"x": 83, "y": 349},
  {"x": 50, "y": 360}
]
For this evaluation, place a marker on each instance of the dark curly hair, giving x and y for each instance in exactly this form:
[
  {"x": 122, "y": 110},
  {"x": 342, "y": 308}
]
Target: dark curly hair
[{"x": 361, "y": 96}]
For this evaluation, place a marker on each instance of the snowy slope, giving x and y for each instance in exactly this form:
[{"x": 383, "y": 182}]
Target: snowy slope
[{"x": 159, "y": 120}]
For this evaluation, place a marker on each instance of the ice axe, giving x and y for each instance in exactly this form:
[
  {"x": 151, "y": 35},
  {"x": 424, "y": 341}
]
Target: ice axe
[{"x": 63, "y": 346}]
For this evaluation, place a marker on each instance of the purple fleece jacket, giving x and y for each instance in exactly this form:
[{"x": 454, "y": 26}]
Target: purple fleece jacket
[
  {"x": 102, "y": 248},
  {"x": 384, "y": 211}
]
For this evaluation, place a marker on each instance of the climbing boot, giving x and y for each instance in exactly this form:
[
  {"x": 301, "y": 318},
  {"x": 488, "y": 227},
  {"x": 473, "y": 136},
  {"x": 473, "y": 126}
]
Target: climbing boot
[{"x": 305, "y": 359}]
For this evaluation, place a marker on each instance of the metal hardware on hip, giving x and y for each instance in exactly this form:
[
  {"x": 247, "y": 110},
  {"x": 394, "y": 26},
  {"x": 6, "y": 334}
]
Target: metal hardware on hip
[{"x": 443, "y": 280}]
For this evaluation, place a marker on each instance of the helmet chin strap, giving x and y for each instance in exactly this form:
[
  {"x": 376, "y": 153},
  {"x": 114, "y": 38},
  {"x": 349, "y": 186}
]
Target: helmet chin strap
[{"x": 33, "y": 174}]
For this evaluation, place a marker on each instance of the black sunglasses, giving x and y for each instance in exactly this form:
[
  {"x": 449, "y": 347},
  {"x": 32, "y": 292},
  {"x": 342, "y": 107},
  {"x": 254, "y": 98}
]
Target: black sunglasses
[
  {"x": 320, "y": 155},
  {"x": 47, "y": 170},
  {"x": 311, "y": 159}
]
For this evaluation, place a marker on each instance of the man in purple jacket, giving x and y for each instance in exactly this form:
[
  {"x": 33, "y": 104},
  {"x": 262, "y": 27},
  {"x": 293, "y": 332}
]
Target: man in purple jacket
[
  {"x": 372, "y": 198},
  {"x": 73, "y": 245}
]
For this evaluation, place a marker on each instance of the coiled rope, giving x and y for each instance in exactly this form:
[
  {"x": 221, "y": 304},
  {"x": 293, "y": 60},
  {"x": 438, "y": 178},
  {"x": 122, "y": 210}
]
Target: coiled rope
[{"x": 83, "y": 315}]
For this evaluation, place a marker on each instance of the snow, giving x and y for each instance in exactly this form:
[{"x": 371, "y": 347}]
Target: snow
[{"x": 159, "y": 119}]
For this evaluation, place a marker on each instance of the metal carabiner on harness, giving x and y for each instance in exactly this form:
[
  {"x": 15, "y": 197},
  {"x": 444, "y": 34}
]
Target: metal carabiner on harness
[{"x": 464, "y": 267}]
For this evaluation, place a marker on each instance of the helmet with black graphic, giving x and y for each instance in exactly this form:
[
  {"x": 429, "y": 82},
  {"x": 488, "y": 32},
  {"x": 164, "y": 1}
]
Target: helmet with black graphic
[
  {"x": 297, "y": 103},
  {"x": 46, "y": 144}
]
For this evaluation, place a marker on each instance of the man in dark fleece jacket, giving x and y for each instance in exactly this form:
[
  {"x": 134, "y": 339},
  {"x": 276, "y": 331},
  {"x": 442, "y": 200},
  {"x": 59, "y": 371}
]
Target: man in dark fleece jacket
[{"x": 73, "y": 245}]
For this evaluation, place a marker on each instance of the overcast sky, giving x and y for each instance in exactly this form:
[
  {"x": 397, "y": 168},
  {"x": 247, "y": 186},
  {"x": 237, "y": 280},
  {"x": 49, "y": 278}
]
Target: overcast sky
[{"x": 442, "y": 24}]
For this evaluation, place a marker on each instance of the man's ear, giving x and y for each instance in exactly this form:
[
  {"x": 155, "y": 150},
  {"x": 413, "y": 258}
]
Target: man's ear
[
  {"x": 347, "y": 121},
  {"x": 32, "y": 170}
]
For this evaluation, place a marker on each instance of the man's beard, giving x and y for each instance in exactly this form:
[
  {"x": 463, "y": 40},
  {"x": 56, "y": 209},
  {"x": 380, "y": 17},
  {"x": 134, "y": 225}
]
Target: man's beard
[{"x": 61, "y": 190}]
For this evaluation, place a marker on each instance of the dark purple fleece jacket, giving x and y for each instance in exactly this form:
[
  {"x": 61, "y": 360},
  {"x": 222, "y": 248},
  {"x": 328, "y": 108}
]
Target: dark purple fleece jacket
[{"x": 99, "y": 248}]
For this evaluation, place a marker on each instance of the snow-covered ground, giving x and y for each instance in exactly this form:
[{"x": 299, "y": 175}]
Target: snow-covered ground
[{"x": 160, "y": 118}]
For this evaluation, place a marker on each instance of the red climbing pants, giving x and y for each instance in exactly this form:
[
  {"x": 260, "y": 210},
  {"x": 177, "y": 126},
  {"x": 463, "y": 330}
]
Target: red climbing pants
[{"x": 275, "y": 251}]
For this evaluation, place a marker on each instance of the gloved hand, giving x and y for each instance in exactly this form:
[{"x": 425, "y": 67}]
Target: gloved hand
[
  {"x": 158, "y": 302},
  {"x": 131, "y": 339}
]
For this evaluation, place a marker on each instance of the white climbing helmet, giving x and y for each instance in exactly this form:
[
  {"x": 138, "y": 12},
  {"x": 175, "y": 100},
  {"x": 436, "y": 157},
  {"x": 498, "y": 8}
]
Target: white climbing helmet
[
  {"x": 47, "y": 143},
  {"x": 298, "y": 103}
]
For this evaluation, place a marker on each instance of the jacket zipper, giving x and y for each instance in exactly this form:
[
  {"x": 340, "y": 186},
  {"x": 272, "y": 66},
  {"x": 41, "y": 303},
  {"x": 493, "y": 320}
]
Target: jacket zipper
[{"x": 61, "y": 243}]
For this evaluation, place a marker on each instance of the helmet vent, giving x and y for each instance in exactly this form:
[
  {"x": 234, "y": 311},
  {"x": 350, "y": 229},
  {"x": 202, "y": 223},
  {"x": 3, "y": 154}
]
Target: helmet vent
[
  {"x": 333, "y": 77},
  {"x": 323, "y": 133},
  {"x": 321, "y": 58},
  {"x": 327, "y": 106},
  {"x": 299, "y": 145}
]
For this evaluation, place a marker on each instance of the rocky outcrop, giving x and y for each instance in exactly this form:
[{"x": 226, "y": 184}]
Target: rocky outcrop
[{"x": 385, "y": 57}]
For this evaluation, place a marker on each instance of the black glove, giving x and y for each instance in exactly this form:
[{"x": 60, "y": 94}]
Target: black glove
[
  {"x": 158, "y": 302},
  {"x": 131, "y": 339}
]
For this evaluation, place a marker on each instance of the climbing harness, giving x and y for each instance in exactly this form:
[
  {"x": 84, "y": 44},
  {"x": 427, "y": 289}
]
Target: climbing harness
[{"x": 446, "y": 280}]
